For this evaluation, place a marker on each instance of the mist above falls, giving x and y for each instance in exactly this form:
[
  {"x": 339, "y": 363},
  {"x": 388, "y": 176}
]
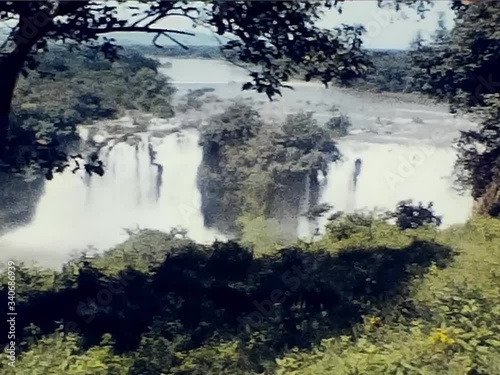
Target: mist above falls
[{"x": 151, "y": 183}]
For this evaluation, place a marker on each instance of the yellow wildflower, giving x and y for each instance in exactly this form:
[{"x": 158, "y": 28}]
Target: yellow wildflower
[
  {"x": 441, "y": 335},
  {"x": 373, "y": 320}
]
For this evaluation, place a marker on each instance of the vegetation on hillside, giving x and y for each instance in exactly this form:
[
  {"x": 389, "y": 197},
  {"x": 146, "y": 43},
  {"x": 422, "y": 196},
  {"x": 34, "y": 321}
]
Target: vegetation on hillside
[
  {"x": 70, "y": 89},
  {"x": 462, "y": 68},
  {"x": 379, "y": 300}
]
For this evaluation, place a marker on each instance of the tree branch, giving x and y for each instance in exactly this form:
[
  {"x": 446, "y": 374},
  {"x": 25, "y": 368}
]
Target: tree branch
[{"x": 171, "y": 38}]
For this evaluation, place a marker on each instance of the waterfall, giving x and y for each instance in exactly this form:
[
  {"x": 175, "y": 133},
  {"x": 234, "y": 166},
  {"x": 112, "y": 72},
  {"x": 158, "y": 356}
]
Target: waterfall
[
  {"x": 304, "y": 223},
  {"x": 180, "y": 200},
  {"x": 391, "y": 173},
  {"x": 149, "y": 183}
]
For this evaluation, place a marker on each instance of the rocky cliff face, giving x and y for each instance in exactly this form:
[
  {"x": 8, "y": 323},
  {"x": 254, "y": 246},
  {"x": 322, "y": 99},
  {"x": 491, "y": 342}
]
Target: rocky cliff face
[{"x": 18, "y": 200}]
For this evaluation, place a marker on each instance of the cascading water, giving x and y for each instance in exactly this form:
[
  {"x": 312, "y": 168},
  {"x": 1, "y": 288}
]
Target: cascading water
[
  {"x": 304, "y": 223},
  {"x": 149, "y": 183},
  {"x": 390, "y": 173},
  {"x": 179, "y": 203},
  {"x": 124, "y": 196}
]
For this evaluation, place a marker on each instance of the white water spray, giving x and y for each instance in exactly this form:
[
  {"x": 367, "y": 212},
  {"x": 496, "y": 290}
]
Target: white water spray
[
  {"x": 152, "y": 183},
  {"x": 391, "y": 173}
]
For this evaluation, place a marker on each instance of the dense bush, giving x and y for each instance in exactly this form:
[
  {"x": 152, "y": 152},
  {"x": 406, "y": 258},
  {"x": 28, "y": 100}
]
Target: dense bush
[
  {"x": 344, "y": 304},
  {"x": 339, "y": 125},
  {"x": 408, "y": 215}
]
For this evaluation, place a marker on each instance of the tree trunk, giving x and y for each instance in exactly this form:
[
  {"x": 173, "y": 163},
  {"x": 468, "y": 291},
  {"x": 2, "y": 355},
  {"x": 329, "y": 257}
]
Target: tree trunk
[
  {"x": 8, "y": 77},
  {"x": 10, "y": 68}
]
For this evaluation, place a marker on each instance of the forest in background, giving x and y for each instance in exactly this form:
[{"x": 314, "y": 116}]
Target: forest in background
[{"x": 391, "y": 71}]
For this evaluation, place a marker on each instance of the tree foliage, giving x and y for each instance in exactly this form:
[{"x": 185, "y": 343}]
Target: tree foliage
[
  {"x": 339, "y": 125},
  {"x": 408, "y": 215},
  {"x": 462, "y": 68}
]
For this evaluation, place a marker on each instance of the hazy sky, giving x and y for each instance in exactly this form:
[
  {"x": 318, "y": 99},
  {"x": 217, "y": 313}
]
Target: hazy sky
[{"x": 386, "y": 28}]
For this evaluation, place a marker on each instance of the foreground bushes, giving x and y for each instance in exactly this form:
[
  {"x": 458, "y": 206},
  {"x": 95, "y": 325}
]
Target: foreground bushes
[
  {"x": 449, "y": 324},
  {"x": 456, "y": 334},
  {"x": 416, "y": 305}
]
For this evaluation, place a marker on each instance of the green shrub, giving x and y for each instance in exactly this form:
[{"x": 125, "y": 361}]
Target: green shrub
[
  {"x": 410, "y": 216},
  {"x": 339, "y": 125},
  {"x": 448, "y": 326},
  {"x": 62, "y": 353}
]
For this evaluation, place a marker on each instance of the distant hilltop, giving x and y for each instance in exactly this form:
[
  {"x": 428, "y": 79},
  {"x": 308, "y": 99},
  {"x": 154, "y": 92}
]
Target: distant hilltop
[{"x": 199, "y": 39}]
